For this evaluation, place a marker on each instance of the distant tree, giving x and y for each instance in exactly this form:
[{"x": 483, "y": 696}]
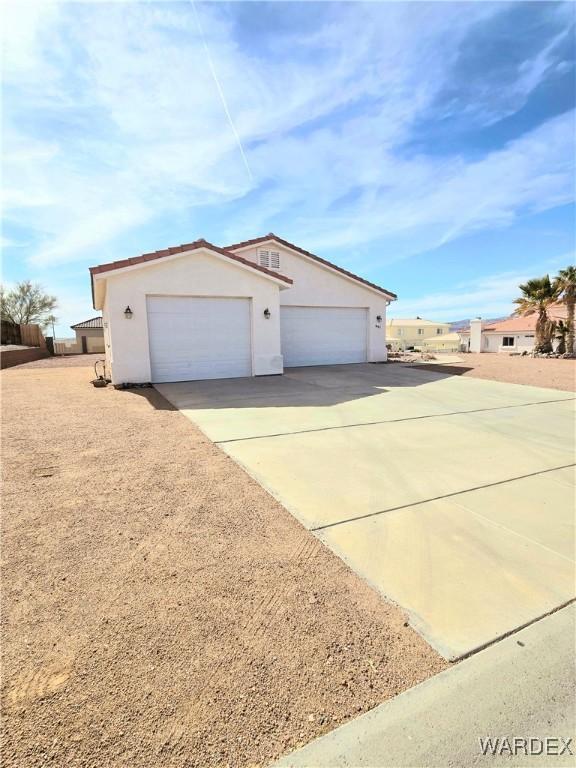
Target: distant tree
[
  {"x": 26, "y": 303},
  {"x": 50, "y": 322},
  {"x": 538, "y": 295},
  {"x": 565, "y": 286}
]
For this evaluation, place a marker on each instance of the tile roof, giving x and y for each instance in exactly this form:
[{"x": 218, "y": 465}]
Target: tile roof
[
  {"x": 287, "y": 244},
  {"x": 201, "y": 243},
  {"x": 522, "y": 323},
  {"x": 95, "y": 322}
]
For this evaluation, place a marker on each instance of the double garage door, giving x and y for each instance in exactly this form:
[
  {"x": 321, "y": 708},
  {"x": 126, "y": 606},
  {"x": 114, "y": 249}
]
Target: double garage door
[{"x": 210, "y": 338}]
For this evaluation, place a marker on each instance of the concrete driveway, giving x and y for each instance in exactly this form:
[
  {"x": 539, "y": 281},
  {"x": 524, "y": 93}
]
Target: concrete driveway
[{"x": 452, "y": 496}]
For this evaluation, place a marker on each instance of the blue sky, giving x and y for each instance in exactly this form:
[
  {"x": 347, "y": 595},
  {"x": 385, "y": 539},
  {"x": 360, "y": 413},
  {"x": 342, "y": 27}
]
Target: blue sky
[{"x": 427, "y": 146}]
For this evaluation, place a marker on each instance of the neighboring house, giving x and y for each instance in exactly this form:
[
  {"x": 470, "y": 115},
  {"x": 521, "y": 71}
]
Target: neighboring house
[
  {"x": 89, "y": 339},
  {"x": 446, "y": 342},
  {"x": 198, "y": 311},
  {"x": 408, "y": 333},
  {"x": 514, "y": 334}
]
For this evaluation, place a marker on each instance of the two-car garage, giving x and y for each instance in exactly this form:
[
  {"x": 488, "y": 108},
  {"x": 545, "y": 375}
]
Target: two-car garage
[
  {"x": 198, "y": 311},
  {"x": 209, "y": 338}
]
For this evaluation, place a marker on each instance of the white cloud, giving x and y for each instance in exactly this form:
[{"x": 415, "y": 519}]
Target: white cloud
[
  {"x": 135, "y": 129},
  {"x": 487, "y": 297}
]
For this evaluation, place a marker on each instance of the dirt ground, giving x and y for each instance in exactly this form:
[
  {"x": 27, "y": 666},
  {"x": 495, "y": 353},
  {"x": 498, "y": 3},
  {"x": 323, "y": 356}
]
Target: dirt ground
[
  {"x": 63, "y": 361},
  {"x": 159, "y": 607},
  {"x": 537, "y": 371}
]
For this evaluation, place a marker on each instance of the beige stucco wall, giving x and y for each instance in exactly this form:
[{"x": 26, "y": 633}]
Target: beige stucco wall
[
  {"x": 94, "y": 339},
  {"x": 197, "y": 274},
  {"x": 401, "y": 335},
  {"x": 317, "y": 286}
]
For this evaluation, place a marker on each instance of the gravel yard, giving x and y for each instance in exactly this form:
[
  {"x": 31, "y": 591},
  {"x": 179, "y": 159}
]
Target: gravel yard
[
  {"x": 63, "y": 361},
  {"x": 552, "y": 373},
  {"x": 160, "y": 608}
]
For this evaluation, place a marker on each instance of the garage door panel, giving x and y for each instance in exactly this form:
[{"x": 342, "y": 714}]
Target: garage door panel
[
  {"x": 199, "y": 338},
  {"x": 323, "y": 335}
]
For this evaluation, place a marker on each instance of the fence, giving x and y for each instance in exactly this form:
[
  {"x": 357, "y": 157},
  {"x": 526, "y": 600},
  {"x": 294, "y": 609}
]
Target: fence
[
  {"x": 24, "y": 335},
  {"x": 9, "y": 333},
  {"x": 31, "y": 336}
]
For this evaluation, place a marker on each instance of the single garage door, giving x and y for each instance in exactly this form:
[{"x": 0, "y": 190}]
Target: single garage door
[
  {"x": 199, "y": 338},
  {"x": 323, "y": 335}
]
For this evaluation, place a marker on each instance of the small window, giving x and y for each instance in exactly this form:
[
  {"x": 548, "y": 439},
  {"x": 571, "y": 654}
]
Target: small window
[
  {"x": 439, "y": 331},
  {"x": 508, "y": 341},
  {"x": 274, "y": 260},
  {"x": 420, "y": 331},
  {"x": 264, "y": 258},
  {"x": 399, "y": 332}
]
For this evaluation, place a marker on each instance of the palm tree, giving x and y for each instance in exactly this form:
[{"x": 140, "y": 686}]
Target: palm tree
[
  {"x": 538, "y": 295},
  {"x": 562, "y": 331},
  {"x": 565, "y": 285}
]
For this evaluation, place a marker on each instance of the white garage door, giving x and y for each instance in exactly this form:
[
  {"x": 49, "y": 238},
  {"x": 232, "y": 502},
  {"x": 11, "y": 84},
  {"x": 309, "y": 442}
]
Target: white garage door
[
  {"x": 323, "y": 335},
  {"x": 199, "y": 338}
]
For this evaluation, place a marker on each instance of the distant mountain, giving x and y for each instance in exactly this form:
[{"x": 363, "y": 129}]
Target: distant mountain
[{"x": 457, "y": 325}]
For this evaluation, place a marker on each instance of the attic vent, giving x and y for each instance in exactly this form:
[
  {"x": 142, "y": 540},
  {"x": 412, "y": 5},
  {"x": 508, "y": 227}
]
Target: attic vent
[{"x": 269, "y": 259}]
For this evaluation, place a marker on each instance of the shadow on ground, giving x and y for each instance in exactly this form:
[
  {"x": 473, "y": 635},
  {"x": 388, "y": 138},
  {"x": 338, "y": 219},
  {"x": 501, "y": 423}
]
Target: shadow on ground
[{"x": 319, "y": 386}]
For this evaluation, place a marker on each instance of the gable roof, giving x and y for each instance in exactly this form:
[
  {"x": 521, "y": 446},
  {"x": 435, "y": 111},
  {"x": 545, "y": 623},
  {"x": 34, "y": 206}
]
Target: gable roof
[
  {"x": 201, "y": 243},
  {"x": 194, "y": 246},
  {"x": 287, "y": 244},
  {"x": 95, "y": 322},
  {"x": 522, "y": 323}
]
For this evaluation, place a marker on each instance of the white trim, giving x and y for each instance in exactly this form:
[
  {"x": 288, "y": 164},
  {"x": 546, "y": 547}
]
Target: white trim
[
  {"x": 101, "y": 277},
  {"x": 327, "y": 267}
]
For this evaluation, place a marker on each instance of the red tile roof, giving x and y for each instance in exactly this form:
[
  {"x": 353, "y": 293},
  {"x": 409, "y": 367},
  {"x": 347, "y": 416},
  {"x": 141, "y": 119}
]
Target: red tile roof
[
  {"x": 524, "y": 323},
  {"x": 182, "y": 249},
  {"x": 272, "y": 236}
]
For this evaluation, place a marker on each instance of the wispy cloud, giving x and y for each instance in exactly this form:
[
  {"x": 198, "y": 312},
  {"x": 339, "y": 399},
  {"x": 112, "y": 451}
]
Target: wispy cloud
[
  {"x": 490, "y": 296},
  {"x": 116, "y": 118}
]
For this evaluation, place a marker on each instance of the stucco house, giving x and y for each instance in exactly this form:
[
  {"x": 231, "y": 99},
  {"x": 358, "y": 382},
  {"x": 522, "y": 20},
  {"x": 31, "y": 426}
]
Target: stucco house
[
  {"x": 199, "y": 311},
  {"x": 407, "y": 333},
  {"x": 90, "y": 335},
  {"x": 512, "y": 335},
  {"x": 88, "y": 339},
  {"x": 446, "y": 342}
]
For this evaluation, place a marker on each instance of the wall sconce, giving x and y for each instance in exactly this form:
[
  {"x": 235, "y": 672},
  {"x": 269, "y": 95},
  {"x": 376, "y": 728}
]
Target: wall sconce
[
  {"x": 378, "y": 321},
  {"x": 128, "y": 313},
  {"x": 267, "y": 313}
]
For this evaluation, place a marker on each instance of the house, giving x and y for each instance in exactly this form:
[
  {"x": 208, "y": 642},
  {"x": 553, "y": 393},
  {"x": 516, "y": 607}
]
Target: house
[
  {"x": 446, "y": 342},
  {"x": 199, "y": 311},
  {"x": 512, "y": 335},
  {"x": 88, "y": 339},
  {"x": 90, "y": 335},
  {"x": 411, "y": 332}
]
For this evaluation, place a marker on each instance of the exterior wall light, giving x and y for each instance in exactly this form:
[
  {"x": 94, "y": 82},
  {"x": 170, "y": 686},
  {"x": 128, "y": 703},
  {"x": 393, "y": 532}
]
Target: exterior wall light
[
  {"x": 267, "y": 313},
  {"x": 128, "y": 313},
  {"x": 378, "y": 321}
]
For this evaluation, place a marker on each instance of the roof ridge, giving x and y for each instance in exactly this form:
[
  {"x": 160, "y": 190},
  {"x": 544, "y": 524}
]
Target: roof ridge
[
  {"x": 173, "y": 250},
  {"x": 288, "y": 244}
]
